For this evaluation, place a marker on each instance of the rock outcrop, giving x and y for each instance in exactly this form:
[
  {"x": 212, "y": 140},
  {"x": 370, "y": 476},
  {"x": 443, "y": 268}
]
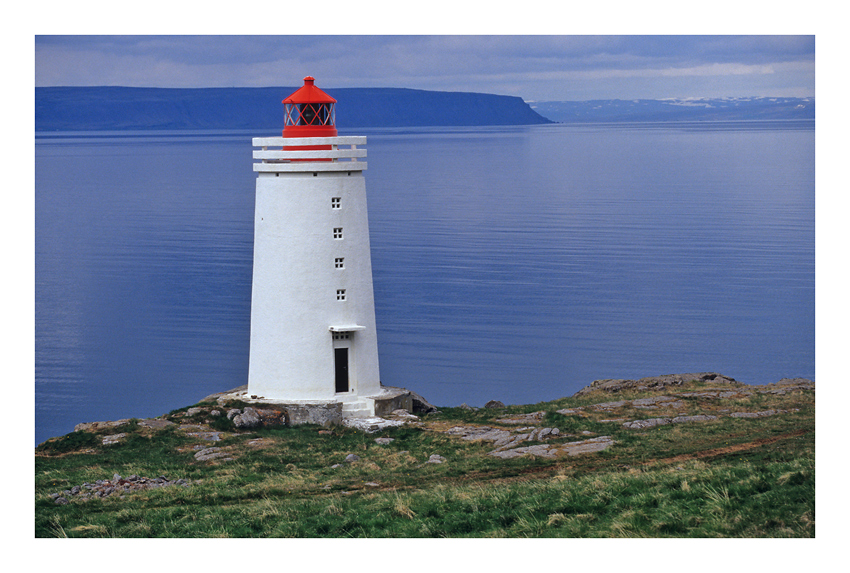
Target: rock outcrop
[
  {"x": 652, "y": 422},
  {"x": 213, "y": 453},
  {"x": 116, "y": 486},
  {"x": 550, "y": 451},
  {"x": 511, "y": 444},
  {"x": 511, "y": 435},
  {"x": 656, "y": 382}
]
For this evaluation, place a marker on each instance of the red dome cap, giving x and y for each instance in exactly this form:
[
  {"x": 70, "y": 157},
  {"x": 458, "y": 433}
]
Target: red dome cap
[{"x": 309, "y": 93}]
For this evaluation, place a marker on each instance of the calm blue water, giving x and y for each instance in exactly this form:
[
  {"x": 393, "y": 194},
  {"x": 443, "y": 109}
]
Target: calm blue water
[{"x": 517, "y": 264}]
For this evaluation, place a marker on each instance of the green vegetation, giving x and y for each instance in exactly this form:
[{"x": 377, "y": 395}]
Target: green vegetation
[{"x": 731, "y": 477}]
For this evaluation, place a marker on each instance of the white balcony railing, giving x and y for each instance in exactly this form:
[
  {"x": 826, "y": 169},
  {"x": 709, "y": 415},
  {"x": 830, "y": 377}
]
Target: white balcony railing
[{"x": 273, "y": 158}]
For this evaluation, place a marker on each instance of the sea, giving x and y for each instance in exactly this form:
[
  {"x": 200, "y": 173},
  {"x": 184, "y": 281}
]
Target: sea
[{"x": 510, "y": 263}]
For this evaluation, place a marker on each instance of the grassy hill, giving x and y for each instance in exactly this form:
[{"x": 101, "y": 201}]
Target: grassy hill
[{"x": 697, "y": 460}]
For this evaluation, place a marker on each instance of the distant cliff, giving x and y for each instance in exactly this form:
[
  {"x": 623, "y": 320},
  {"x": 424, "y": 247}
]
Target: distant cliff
[
  {"x": 123, "y": 108},
  {"x": 695, "y": 109}
]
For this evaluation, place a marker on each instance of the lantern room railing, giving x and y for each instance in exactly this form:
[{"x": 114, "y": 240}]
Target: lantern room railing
[{"x": 342, "y": 155}]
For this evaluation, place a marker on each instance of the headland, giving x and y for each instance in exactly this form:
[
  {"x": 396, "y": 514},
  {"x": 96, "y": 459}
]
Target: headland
[{"x": 685, "y": 455}]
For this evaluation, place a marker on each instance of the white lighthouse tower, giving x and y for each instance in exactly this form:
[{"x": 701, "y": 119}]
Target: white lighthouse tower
[{"x": 313, "y": 333}]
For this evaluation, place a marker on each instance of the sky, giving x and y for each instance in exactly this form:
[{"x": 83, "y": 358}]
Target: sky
[{"x": 533, "y": 67}]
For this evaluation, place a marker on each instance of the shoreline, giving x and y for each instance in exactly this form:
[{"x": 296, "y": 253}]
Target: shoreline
[{"x": 263, "y": 412}]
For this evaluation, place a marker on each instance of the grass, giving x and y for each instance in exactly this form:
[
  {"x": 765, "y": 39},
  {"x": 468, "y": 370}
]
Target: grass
[{"x": 726, "y": 478}]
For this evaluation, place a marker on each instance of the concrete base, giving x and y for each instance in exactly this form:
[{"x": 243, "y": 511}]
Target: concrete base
[
  {"x": 329, "y": 412},
  {"x": 392, "y": 399}
]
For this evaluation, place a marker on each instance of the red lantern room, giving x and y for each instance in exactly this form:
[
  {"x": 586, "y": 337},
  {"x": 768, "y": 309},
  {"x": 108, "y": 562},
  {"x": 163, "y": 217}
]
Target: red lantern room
[{"x": 309, "y": 112}]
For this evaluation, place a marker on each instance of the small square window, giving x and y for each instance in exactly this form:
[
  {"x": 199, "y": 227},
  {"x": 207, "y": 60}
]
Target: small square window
[
  {"x": 341, "y": 336},
  {"x": 339, "y": 263},
  {"x": 335, "y": 202},
  {"x": 340, "y": 294},
  {"x": 337, "y": 232}
]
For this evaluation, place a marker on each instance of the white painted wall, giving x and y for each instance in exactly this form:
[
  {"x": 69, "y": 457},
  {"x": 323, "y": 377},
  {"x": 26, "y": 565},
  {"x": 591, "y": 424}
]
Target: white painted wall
[{"x": 295, "y": 282}]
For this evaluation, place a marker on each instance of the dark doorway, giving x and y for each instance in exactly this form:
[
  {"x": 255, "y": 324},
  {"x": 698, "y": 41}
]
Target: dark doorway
[{"x": 341, "y": 367}]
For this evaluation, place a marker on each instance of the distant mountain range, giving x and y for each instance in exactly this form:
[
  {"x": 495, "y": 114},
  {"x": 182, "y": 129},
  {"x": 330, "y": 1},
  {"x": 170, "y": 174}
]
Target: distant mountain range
[
  {"x": 703, "y": 109},
  {"x": 123, "y": 108}
]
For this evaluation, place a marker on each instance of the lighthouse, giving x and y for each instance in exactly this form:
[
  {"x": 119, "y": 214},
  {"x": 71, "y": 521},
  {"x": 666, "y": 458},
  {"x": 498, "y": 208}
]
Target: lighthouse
[{"x": 313, "y": 335}]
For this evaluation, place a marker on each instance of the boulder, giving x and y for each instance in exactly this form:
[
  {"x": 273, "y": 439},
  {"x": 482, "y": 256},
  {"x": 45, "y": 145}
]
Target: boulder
[
  {"x": 494, "y": 404},
  {"x": 393, "y": 398},
  {"x": 249, "y": 418},
  {"x": 213, "y": 453},
  {"x": 113, "y": 439},
  {"x": 421, "y": 405}
]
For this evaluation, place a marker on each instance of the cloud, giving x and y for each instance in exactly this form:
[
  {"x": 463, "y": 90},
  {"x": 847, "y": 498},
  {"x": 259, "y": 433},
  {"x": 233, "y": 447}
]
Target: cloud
[{"x": 528, "y": 66}]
